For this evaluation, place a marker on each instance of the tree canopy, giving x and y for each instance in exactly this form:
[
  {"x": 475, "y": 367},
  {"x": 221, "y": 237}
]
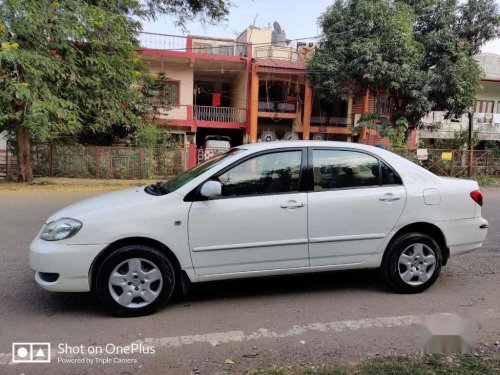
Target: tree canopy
[
  {"x": 72, "y": 66},
  {"x": 419, "y": 52}
]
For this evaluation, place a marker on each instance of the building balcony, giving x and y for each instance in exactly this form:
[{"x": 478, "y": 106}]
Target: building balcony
[
  {"x": 192, "y": 44},
  {"x": 276, "y": 52},
  {"x": 485, "y": 123},
  {"x": 201, "y": 116},
  {"x": 175, "y": 112},
  {"x": 219, "y": 114},
  {"x": 331, "y": 121}
]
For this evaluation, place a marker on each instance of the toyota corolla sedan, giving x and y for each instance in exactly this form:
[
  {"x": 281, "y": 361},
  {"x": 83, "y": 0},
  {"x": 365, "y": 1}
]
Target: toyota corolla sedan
[{"x": 259, "y": 210}]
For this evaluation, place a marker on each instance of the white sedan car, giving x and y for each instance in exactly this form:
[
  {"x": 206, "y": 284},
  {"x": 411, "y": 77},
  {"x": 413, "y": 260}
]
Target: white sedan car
[{"x": 259, "y": 210}]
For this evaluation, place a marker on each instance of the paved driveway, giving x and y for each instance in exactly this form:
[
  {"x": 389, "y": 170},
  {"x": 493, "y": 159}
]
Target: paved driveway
[{"x": 320, "y": 318}]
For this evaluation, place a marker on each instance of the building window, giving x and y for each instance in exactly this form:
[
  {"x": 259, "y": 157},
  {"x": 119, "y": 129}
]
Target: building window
[
  {"x": 383, "y": 105},
  {"x": 484, "y": 106},
  {"x": 166, "y": 92},
  {"x": 177, "y": 138},
  {"x": 484, "y": 111}
]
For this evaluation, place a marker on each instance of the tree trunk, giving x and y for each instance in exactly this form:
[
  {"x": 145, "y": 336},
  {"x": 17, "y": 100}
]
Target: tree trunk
[{"x": 23, "y": 154}]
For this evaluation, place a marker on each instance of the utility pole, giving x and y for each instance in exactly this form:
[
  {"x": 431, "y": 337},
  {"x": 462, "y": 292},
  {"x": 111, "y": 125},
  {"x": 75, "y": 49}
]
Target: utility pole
[{"x": 470, "y": 146}]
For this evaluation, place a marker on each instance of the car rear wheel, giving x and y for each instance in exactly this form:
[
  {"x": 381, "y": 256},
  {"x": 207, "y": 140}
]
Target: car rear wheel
[
  {"x": 412, "y": 263},
  {"x": 135, "y": 280}
]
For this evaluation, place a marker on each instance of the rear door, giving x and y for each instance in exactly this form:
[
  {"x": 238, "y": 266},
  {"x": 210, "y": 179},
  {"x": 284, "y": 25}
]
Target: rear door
[{"x": 356, "y": 201}]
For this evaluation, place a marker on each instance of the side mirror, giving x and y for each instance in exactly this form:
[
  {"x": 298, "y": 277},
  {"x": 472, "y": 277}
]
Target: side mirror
[{"x": 211, "y": 189}]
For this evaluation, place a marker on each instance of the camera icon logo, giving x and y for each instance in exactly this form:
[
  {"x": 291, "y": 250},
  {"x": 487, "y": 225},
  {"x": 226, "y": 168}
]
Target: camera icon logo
[{"x": 31, "y": 352}]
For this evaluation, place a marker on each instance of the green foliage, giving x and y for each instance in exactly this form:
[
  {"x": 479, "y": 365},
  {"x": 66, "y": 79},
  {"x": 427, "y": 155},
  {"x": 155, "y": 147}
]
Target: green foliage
[
  {"x": 493, "y": 146},
  {"x": 396, "y": 132},
  {"x": 212, "y": 11},
  {"x": 484, "y": 180},
  {"x": 460, "y": 140},
  {"x": 419, "y": 52},
  {"x": 66, "y": 66},
  {"x": 72, "y": 67},
  {"x": 397, "y": 365},
  {"x": 153, "y": 136}
]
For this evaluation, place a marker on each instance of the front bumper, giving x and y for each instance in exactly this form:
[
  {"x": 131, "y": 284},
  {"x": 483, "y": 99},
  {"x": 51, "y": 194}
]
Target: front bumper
[
  {"x": 71, "y": 262},
  {"x": 463, "y": 236}
]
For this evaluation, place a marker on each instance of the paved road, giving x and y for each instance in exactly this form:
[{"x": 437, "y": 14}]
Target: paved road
[{"x": 254, "y": 323}]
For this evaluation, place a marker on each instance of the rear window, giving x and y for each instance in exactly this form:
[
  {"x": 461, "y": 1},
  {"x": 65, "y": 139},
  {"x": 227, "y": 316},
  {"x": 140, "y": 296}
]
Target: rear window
[{"x": 215, "y": 143}]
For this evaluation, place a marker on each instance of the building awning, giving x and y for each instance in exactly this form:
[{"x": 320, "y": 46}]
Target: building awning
[{"x": 280, "y": 66}]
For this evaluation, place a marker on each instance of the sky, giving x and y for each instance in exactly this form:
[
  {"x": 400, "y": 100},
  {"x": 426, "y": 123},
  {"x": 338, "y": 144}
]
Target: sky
[{"x": 297, "y": 17}]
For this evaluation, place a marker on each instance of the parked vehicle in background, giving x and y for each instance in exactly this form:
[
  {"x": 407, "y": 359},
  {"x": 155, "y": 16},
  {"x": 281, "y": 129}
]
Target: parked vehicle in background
[
  {"x": 221, "y": 143},
  {"x": 259, "y": 210}
]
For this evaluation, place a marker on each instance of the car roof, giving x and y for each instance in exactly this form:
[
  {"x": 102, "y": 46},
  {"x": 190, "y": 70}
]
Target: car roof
[{"x": 293, "y": 144}]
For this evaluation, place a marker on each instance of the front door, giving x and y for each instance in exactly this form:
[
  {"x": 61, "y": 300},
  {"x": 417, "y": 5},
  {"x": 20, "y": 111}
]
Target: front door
[
  {"x": 356, "y": 202},
  {"x": 260, "y": 221}
]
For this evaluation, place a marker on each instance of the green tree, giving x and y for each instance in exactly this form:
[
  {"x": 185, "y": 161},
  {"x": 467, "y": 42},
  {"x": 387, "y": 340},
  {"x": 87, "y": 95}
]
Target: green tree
[
  {"x": 71, "y": 66},
  {"x": 419, "y": 52}
]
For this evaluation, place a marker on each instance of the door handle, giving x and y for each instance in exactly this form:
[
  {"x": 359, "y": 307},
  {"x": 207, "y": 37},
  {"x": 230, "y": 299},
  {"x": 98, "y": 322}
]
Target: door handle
[
  {"x": 389, "y": 197},
  {"x": 292, "y": 204}
]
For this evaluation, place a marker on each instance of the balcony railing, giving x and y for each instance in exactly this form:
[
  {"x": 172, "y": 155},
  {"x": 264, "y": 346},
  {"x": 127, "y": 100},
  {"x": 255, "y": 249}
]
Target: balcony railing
[
  {"x": 275, "y": 52},
  {"x": 222, "y": 47},
  {"x": 175, "y": 112},
  {"x": 275, "y": 106},
  {"x": 220, "y": 114},
  {"x": 211, "y": 46},
  {"x": 332, "y": 121},
  {"x": 163, "y": 41}
]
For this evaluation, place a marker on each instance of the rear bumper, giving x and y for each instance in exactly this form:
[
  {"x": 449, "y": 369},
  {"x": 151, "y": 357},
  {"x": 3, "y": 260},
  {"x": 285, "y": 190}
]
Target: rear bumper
[
  {"x": 70, "y": 262},
  {"x": 463, "y": 236}
]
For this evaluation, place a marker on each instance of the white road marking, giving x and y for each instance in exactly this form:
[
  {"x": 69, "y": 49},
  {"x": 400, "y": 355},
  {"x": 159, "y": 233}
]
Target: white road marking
[
  {"x": 217, "y": 338},
  {"x": 239, "y": 336}
]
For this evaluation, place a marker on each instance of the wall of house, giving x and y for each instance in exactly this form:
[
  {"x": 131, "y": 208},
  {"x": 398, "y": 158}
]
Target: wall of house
[
  {"x": 490, "y": 63},
  {"x": 177, "y": 72},
  {"x": 255, "y": 36},
  {"x": 239, "y": 91}
]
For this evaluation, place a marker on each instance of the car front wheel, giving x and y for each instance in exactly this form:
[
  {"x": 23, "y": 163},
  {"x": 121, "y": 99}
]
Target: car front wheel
[
  {"x": 135, "y": 280},
  {"x": 412, "y": 263}
]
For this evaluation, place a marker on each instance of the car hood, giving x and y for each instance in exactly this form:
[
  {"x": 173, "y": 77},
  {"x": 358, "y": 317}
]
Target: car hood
[{"x": 106, "y": 201}]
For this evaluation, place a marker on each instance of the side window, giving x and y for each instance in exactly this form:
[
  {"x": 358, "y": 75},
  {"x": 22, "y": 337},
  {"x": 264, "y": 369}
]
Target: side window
[
  {"x": 278, "y": 172},
  {"x": 333, "y": 169},
  {"x": 389, "y": 177}
]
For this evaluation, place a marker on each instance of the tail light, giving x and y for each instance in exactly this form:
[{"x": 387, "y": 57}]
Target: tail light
[{"x": 477, "y": 196}]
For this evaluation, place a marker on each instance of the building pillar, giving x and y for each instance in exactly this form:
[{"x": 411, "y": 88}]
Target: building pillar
[
  {"x": 192, "y": 155},
  {"x": 254, "y": 106},
  {"x": 350, "y": 118},
  {"x": 365, "y": 104},
  {"x": 307, "y": 110}
]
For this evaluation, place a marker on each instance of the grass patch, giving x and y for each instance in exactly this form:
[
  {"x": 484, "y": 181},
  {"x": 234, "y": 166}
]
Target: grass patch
[
  {"x": 484, "y": 180},
  {"x": 43, "y": 181},
  {"x": 398, "y": 365}
]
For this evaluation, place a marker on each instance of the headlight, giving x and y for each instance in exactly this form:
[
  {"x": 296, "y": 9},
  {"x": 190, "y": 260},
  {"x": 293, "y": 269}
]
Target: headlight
[{"x": 60, "y": 229}]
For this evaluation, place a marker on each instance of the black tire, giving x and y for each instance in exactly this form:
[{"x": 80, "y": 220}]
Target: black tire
[
  {"x": 391, "y": 268},
  {"x": 150, "y": 254}
]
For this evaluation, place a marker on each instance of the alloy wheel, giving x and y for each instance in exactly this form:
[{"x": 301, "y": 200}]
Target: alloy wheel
[
  {"x": 416, "y": 264},
  {"x": 135, "y": 283}
]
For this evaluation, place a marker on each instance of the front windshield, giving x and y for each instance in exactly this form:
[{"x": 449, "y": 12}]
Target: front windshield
[{"x": 184, "y": 177}]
